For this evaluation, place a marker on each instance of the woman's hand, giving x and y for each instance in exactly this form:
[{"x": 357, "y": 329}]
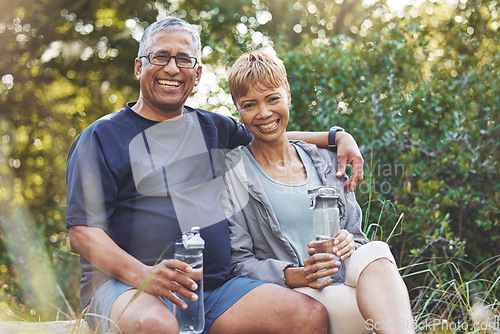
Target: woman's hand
[
  {"x": 319, "y": 266},
  {"x": 343, "y": 245}
]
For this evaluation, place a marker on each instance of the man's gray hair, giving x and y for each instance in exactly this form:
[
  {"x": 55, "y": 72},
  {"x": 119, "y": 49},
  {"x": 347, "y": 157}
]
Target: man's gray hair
[{"x": 169, "y": 24}]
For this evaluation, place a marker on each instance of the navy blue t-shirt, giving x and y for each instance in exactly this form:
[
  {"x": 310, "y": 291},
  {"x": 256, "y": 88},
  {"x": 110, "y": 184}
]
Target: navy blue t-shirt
[{"x": 144, "y": 182}]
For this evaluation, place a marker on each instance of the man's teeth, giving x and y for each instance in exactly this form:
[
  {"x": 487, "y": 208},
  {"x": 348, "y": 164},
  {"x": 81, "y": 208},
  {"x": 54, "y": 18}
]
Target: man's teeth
[
  {"x": 269, "y": 126},
  {"x": 169, "y": 83}
]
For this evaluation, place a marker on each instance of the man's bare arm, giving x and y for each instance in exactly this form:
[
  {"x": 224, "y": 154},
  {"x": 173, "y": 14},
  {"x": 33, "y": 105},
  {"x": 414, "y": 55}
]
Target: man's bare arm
[
  {"x": 347, "y": 153},
  {"x": 163, "y": 279}
]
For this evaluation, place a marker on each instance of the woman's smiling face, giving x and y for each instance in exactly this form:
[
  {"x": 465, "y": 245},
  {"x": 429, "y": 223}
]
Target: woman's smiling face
[{"x": 265, "y": 111}]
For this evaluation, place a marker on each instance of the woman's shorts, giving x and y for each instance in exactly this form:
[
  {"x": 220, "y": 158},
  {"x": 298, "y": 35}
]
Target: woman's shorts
[{"x": 340, "y": 300}]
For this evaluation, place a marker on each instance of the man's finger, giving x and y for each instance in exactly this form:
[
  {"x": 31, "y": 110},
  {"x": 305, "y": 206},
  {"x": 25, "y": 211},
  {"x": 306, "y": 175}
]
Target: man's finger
[
  {"x": 177, "y": 290},
  {"x": 176, "y": 300},
  {"x": 347, "y": 184},
  {"x": 342, "y": 164},
  {"x": 351, "y": 183}
]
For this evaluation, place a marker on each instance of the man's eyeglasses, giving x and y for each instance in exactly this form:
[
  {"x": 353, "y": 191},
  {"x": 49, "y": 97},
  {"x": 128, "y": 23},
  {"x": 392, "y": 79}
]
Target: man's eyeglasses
[{"x": 163, "y": 59}]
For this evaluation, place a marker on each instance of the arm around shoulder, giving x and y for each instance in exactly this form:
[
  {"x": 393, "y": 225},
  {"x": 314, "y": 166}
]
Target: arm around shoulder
[{"x": 347, "y": 152}]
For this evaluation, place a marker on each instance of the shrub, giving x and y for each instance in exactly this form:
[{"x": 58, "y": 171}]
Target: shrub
[{"x": 429, "y": 132}]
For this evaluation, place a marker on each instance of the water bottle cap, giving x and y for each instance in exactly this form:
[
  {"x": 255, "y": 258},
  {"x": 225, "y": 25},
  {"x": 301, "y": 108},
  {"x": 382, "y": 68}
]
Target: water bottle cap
[
  {"x": 323, "y": 193},
  {"x": 193, "y": 240}
]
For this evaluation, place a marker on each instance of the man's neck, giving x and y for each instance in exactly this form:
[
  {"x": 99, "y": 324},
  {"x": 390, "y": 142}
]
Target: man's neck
[{"x": 144, "y": 110}]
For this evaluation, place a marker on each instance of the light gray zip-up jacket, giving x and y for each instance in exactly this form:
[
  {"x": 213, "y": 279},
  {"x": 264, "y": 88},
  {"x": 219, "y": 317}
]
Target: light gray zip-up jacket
[{"x": 258, "y": 247}]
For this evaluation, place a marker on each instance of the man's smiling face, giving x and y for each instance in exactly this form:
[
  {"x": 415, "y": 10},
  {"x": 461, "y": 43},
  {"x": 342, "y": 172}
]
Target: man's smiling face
[{"x": 165, "y": 89}]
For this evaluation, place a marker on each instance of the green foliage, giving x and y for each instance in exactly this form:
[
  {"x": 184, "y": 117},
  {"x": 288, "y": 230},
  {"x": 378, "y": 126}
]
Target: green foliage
[{"x": 429, "y": 131}]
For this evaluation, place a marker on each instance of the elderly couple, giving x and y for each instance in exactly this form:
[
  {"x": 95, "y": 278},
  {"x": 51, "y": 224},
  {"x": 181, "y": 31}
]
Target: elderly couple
[{"x": 138, "y": 178}]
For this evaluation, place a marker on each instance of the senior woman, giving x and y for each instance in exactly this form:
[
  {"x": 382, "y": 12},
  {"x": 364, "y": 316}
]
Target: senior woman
[{"x": 271, "y": 224}]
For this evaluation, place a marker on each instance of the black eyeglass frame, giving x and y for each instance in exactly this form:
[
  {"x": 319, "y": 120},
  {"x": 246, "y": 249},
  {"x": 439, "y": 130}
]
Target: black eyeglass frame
[{"x": 148, "y": 56}]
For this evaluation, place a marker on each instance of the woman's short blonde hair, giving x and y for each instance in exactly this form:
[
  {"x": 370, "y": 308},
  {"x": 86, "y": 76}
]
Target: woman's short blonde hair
[{"x": 261, "y": 68}]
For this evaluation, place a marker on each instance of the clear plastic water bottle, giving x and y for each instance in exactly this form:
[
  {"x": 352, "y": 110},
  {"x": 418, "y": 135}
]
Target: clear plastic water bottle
[
  {"x": 326, "y": 224},
  {"x": 190, "y": 250}
]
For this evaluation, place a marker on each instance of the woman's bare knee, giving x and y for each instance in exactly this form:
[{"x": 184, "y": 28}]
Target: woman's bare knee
[{"x": 380, "y": 267}]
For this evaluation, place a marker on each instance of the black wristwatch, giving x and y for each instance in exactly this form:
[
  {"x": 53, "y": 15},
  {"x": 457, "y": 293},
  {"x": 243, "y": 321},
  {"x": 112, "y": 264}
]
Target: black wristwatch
[{"x": 331, "y": 137}]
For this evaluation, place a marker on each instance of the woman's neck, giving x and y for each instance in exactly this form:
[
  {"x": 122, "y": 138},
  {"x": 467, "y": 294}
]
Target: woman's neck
[
  {"x": 280, "y": 160},
  {"x": 270, "y": 152}
]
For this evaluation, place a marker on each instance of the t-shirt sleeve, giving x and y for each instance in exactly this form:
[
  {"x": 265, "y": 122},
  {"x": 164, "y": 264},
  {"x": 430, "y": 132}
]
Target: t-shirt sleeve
[
  {"x": 91, "y": 187},
  {"x": 237, "y": 134}
]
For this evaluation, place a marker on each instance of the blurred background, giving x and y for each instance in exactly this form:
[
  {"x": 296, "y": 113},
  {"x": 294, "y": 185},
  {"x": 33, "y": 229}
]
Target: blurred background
[{"x": 417, "y": 83}]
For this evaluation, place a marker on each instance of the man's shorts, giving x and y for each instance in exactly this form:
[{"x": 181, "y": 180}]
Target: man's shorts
[{"x": 217, "y": 301}]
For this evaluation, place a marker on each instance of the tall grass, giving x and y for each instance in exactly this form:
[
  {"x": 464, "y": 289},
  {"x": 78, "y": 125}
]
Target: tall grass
[
  {"x": 451, "y": 299},
  {"x": 467, "y": 303}
]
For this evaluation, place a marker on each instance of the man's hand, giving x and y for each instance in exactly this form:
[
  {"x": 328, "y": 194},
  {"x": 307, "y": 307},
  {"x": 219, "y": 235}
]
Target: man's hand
[
  {"x": 171, "y": 277},
  {"x": 348, "y": 153},
  {"x": 164, "y": 279}
]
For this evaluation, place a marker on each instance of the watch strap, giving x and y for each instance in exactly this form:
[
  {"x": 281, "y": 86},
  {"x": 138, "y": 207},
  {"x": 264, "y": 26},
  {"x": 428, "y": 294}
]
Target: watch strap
[{"x": 331, "y": 137}]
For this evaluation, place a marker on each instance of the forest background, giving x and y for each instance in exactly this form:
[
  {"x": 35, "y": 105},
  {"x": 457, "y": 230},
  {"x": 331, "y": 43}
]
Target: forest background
[{"x": 418, "y": 87}]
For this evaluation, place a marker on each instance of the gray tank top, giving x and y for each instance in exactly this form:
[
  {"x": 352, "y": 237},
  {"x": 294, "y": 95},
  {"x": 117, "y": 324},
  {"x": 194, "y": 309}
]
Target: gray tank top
[{"x": 290, "y": 203}]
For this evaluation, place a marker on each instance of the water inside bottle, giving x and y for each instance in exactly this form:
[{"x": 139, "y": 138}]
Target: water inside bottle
[
  {"x": 192, "y": 319},
  {"x": 325, "y": 244}
]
